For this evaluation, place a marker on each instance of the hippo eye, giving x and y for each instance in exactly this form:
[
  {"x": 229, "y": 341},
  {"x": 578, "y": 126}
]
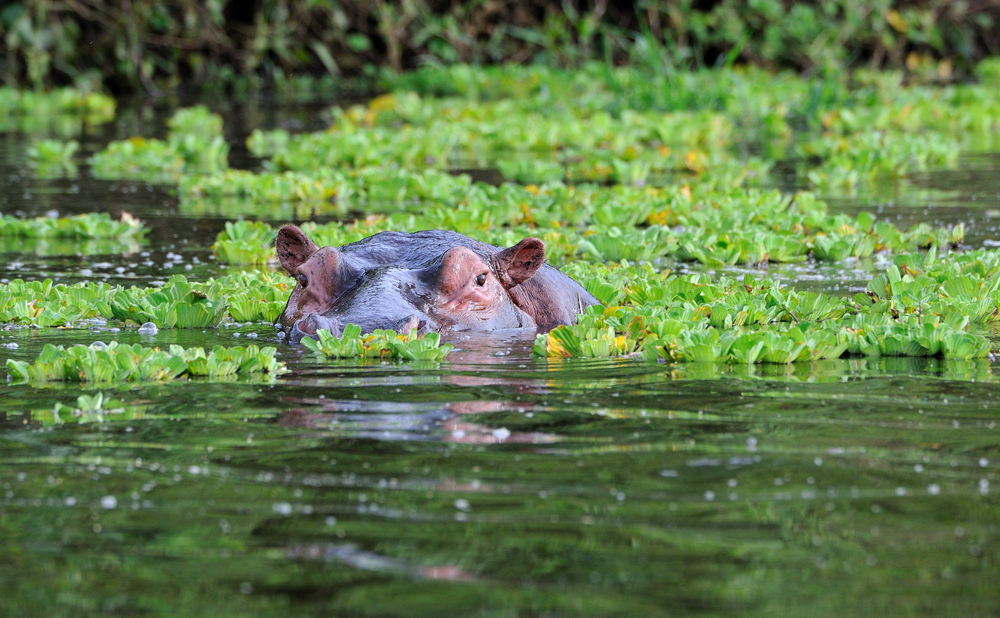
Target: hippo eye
[
  {"x": 481, "y": 280},
  {"x": 304, "y": 280}
]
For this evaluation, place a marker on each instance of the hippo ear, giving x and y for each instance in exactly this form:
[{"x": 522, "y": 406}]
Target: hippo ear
[
  {"x": 294, "y": 248},
  {"x": 517, "y": 264}
]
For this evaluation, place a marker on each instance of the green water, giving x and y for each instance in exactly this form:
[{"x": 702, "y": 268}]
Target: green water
[{"x": 493, "y": 484}]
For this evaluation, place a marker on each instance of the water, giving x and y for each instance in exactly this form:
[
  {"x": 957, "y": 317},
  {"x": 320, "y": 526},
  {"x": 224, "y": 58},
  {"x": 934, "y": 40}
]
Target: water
[{"x": 494, "y": 483}]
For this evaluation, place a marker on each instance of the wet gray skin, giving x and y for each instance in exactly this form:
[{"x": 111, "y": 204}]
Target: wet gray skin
[{"x": 434, "y": 280}]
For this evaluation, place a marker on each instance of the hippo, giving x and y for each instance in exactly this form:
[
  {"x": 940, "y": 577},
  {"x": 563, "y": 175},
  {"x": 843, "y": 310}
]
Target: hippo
[{"x": 434, "y": 280}]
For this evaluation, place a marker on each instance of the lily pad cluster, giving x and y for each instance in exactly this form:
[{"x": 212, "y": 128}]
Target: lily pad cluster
[
  {"x": 378, "y": 344},
  {"x": 194, "y": 145},
  {"x": 115, "y": 362}
]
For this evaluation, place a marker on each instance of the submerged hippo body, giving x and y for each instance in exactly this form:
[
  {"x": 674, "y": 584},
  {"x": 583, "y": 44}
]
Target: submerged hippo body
[{"x": 434, "y": 280}]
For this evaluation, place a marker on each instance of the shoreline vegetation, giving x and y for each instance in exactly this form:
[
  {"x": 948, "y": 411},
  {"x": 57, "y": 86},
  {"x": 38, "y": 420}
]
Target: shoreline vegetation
[{"x": 306, "y": 45}]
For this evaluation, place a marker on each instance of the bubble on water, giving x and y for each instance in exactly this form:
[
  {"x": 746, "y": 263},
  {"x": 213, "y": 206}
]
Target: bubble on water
[
  {"x": 818, "y": 461},
  {"x": 732, "y": 482},
  {"x": 933, "y": 489},
  {"x": 148, "y": 329},
  {"x": 462, "y": 504},
  {"x": 984, "y": 487},
  {"x": 900, "y": 491},
  {"x": 458, "y": 434},
  {"x": 669, "y": 473},
  {"x": 331, "y": 521},
  {"x": 710, "y": 495},
  {"x": 86, "y": 272},
  {"x": 194, "y": 470},
  {"x": 501, "y": 434},
  {"x": 282, "y": 508},
  {"x": 251, "y": 335},
  {"x": 751, "y": 444},
  {"x": 11, "y": 346},
  {"x": 983, "y": 462},
  {"x": 109, "y": 502},
  {"x": 246, "y": 588},
  {"x": 70, "y": 501},
  {"x": 98, "y": 345},
  {"x": 918, "y": 468},
  {"x": 236, "y": 334}
]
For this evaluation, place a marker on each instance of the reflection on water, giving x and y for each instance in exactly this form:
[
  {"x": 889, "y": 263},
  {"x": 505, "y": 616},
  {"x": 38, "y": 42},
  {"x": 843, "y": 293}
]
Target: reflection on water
[{"x": 493, "y": 483}]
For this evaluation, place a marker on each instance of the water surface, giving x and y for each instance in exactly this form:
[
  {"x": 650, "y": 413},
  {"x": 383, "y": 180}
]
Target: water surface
[{"x": 494, "y": 483}]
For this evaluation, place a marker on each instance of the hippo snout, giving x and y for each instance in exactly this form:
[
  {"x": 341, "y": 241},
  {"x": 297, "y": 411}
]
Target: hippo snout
[{"x": 307, "y": 327}]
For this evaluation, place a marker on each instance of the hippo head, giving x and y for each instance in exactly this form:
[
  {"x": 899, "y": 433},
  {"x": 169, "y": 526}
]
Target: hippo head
[{"x": 455, "y": 289}]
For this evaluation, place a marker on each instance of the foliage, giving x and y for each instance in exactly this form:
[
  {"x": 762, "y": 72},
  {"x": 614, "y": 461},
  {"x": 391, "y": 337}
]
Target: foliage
[
  {"x": 93, "y": 107},
  {"x": 52, "y": 158},
  {"x": 96, "y": 408},
  {"x": 194, "y": 145},
  {"x": 691, "y": 319},
  {"x": 86, "y": 226},
  {"x": 126, "y": 49},
  {"x": 378, "y": 344},
  {"x": 115, "y": 362},
  {"x": 586, "y": 222},
  {"x": 246, "y": 296}
]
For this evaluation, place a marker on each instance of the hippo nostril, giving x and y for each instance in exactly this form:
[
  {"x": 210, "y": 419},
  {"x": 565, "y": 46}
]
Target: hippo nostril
[
  {"x": 307, "y": 327},
  {"x": 421, "y": 323}
]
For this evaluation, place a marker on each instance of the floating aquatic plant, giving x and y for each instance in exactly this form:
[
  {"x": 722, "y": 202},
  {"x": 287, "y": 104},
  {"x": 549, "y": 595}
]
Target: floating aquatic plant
[
  {"x": 194, "y": 144},
  {"x": 248, "y": 296},
  {"x": 176, "y": 304},
  {"x": 116, "y": 363},
  {"x": 86, "y": 226},
  {"x": 96, "y": 408},
  {"x": 691, "y": 319},
  {"x": 378, "y": 344}
]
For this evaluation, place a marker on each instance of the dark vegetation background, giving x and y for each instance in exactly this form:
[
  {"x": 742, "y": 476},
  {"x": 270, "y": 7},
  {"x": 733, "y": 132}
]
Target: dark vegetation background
[{"x": 134, "y": 45}]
